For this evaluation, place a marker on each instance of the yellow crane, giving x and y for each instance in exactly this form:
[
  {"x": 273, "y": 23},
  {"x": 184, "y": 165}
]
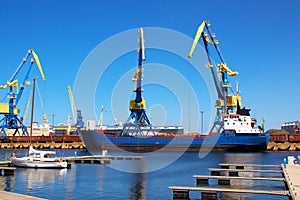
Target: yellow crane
[
  {"x": 226, "y": 102},
  {"x": 73, "y": 105},
  {"x": 10, "y": 110},
  {"x": 77, "y": 117}
]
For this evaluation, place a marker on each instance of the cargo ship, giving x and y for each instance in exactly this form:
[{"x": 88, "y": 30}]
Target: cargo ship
[
  {"x": 232, "y": 130},
  {"x": 239, "y": 134}
]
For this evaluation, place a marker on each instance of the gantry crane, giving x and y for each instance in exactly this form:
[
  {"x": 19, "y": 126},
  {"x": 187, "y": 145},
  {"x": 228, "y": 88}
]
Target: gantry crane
[
  {"x": 77, "y": 117},
  {"x": 138, "y": 123},
  {"x": 226, "y": 102},
  {"x": 10, "y": 110}
]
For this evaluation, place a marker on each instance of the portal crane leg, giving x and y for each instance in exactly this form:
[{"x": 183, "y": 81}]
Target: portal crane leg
[
  {"x": 141, "y": 126},
  {"x": 13, "y": 122},
  {"x": 218, "y": 122}
]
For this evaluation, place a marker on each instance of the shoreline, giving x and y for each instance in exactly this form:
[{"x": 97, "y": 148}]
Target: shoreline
[{"x": 74, "y": 142}]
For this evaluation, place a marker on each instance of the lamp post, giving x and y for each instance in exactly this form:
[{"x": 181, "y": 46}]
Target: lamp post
[{"x": 202, "y": 121}]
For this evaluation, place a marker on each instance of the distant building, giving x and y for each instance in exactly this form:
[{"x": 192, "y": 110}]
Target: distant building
[{"x": 291, "y": 127}]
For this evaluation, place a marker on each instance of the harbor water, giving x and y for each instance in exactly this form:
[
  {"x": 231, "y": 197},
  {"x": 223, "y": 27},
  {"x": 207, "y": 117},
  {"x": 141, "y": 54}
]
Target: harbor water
[{"x": 94, "y": 181}]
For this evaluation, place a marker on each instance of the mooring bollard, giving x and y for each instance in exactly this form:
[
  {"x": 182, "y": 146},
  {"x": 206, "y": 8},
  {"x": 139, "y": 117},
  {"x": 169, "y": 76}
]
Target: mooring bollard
[{"x": 284, "y": 162}]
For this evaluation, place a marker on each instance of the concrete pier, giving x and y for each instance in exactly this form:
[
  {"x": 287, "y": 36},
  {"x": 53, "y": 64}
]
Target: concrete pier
[
  {"x": 292, "y": 176},
  {"x": 10, "y": 195}
]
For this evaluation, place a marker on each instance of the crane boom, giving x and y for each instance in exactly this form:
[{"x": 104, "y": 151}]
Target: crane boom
[
  {"x": 37, "y": 60},
  {"x": 73, "y": 105},
  {"x": 197, "y": 37}
]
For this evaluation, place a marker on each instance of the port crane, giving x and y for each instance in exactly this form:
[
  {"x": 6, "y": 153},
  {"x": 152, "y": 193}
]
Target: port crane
[
  {"x": 138, "y": 124},
  {"x": 102, "y": 110},
  {"x": 226, "y": 102},
  {"x": 10, "y": 110},
  {"x": 77, "y": 117}
]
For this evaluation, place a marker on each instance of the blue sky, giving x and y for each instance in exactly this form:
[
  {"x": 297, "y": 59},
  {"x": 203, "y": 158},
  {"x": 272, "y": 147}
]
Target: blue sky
[{"x": 259, "y": 39}]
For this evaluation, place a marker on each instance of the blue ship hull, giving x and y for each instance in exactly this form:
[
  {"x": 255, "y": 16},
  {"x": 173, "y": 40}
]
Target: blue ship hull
[{"x": 226, "y": 141}]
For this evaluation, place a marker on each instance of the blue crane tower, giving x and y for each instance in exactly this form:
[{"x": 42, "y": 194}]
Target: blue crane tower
[
  {"x": 138, "y": 124},
  {"x": 10, "y": 110}
]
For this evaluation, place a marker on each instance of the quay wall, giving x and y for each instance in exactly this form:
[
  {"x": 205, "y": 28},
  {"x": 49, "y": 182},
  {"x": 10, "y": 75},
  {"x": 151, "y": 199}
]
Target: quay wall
[{"x": 277, "y": 142}]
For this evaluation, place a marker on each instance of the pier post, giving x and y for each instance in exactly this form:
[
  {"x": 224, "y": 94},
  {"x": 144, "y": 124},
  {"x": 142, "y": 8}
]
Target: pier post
[
  {"x": 284, "y": 162},
  {"x": 239, "y": 167},
  {"x": 209, "y": 195},
  {"x": 224, "y": 181},
  {"x": 69, "y": 165},
  {"x": 233, "y": 173},
  {"x": 215, "y": 173},
  {"x": 7, "y": 172},
  {"x": 181, "y": 195},
  {"x": 202, "y": 181}
]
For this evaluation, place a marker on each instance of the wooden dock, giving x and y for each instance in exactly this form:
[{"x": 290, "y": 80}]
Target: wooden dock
[
  {"x": 6, "y": 171},
  {"x": 182, "y": 192},
  {"x": 235, "y": 172},
  {"x": 242, "y": 166},
  {"x": 225, "y": 180},
  {"x": 100, "y": 159},
  {"x": 292, "y": 176}
]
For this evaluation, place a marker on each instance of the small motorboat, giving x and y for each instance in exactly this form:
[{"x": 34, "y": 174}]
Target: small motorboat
[{"x": 39, "y": 159}]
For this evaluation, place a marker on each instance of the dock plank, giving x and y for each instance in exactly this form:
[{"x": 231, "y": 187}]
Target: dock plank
[
  {"x": 240, "y": 177},
  {"x": 249, "y": 165},
  {"x": 105, "y": 157},
  {"x": 247, "y": 170},
  {"x": 7, "y": 162},
  {"x": 232, "y": 190}
]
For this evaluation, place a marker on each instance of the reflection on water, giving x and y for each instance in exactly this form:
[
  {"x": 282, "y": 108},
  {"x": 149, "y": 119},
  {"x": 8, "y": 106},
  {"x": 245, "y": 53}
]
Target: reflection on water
[
  {"x": 39, "y": 178},
  {"x": 7, "y": 183},
  {"x": 138, "y": 186}
]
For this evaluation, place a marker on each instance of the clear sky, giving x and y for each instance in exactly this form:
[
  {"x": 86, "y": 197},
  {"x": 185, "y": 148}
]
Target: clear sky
[{"x": 259, "y": 39}]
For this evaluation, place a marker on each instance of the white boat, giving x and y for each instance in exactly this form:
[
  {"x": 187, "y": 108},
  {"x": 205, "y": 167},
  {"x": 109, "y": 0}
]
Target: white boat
[{"x": 39, "y": 159}]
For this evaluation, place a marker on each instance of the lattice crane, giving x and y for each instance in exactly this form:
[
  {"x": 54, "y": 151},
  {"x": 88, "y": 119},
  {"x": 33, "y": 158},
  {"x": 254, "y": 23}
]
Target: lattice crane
[
  {"x": 138, "y": 123},
  {"x": 77, "y": 117},
  {"x": 10, "y": 110},
  {"x": 225, "y": 102}
]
